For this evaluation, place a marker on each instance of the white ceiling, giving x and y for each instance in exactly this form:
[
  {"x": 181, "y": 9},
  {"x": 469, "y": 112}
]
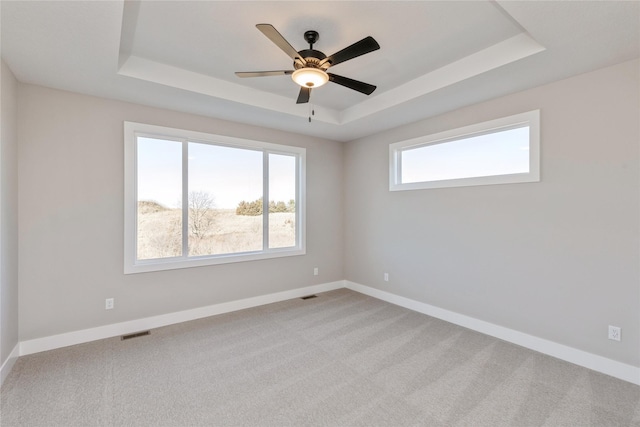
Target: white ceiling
[{"x": 435, "y": 56}]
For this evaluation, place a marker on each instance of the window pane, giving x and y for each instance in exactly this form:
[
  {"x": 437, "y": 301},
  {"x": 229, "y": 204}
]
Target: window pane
[
  {"x": 282, "y": 201},
  {"x": 159, "y": 194},
  {"x": 220, "y": 180},
  {"x": 499, "y": 153},
  {"x": 228, "y": 179}
]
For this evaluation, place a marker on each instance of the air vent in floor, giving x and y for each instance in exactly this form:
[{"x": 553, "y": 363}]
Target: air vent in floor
[
  {"x": 134, "y": 335},
  {"x": 310, "y": 296}
]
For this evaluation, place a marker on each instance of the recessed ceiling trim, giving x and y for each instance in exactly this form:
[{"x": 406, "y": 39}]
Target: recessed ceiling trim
[
  {"x": 130, "y": 12},
  {"x": 503, "y": 53},
  {"x": 131, "y": 65}
]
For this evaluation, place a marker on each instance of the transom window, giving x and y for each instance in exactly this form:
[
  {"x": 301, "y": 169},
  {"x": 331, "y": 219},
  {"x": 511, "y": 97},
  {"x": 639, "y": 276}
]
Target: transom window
[
  {"x": 194, "y": 199},
  {"x": 500, "y": 151}
]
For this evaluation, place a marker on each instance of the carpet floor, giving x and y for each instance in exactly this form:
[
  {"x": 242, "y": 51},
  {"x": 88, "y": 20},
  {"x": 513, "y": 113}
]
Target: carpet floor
[{"x": 341, "y": 359}]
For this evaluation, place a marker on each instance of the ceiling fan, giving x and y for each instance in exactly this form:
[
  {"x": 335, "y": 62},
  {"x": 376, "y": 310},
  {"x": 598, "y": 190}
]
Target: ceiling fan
[{"x": 310, "y": 65}]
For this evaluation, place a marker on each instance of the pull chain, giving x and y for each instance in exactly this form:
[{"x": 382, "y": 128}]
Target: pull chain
[{"x": 312, "y": 112}]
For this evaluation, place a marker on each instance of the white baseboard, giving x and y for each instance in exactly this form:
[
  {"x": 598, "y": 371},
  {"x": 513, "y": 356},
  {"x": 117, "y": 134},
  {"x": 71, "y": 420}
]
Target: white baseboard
[
  {"x": 582, "y": 358},
  {"x": 8, "y": 364},
  {"x": 86, "y": 335}
]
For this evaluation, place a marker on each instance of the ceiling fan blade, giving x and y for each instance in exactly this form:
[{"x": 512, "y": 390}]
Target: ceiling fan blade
[
  {"x": 366, "y": 45},
  {"x": 263, "y": 73},
  {"x": 273, "y": 35},
  {"x": 362, "y": 87},
  {"x": 303, "y": 96}
]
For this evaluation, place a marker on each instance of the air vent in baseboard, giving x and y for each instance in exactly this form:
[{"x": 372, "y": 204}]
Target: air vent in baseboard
[
  {"x": 310, "y": 296},
  {"x": 134, "y": 335}
]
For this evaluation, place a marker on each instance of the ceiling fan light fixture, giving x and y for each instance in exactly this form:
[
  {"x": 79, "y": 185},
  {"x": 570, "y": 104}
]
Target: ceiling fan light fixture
[{"x": 310, "y": 77}]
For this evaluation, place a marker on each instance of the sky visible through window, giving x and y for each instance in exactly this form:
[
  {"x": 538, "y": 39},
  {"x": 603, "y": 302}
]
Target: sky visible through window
[
  {"x": 160, "y": 171},
  {"x": 498, "y": 153},
  {"x": 228, "y": 174}
]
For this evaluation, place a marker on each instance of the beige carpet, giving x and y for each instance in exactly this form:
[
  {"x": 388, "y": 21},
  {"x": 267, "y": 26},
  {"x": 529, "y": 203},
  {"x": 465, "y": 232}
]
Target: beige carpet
[{"x": 341, "y": 359}]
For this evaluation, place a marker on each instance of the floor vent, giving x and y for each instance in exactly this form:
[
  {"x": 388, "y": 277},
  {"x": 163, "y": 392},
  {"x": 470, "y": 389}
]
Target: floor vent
[
  {"x": 310, "y": 296},
  {"x": 134, "y": 335}
]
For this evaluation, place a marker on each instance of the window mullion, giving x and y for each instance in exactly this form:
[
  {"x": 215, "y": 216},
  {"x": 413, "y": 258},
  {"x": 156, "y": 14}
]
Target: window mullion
[
  {"x": 265, "y": 200},
  {"x": 298, "y": 202},
  {"x": 398, "y": 164},
  {"x": 185, "y": 199}
]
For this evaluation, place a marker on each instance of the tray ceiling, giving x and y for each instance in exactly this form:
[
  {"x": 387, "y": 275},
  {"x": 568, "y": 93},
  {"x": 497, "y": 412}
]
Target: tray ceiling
[{"x": 434, "y": 56}]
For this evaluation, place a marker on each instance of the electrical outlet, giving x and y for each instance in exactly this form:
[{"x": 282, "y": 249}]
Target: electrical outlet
[
  {"x": 108, "y": 303},
  {"x": 315, "y": 271},
  {"x": 386, "y": 277},
  {"x": 614, "y": 333}
]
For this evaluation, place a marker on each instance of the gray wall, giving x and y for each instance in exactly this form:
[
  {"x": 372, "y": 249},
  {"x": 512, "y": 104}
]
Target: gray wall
[
  {"x": 71, "y": 218},
  {"x": 558, "y": 259},
  {"x": 8, "y": 215}
]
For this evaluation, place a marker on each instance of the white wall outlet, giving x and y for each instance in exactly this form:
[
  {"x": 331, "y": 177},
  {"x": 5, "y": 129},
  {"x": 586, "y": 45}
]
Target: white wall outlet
[
  {"x": 315, "y": 271},
  {"x": 614, "y": 333},
  {"x": 386, "y": 277},
  {"x": 108, "y": 303}
]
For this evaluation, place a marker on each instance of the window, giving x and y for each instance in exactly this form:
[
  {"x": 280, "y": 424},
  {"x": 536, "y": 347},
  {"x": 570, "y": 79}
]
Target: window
[
  {"x": 194, "y": 199},
  {"x": 500, "y": 151}
]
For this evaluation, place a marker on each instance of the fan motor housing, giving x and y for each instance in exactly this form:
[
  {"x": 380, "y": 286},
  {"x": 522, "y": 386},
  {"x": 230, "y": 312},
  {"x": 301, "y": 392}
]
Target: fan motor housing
[{"x": 313, "y": 58}]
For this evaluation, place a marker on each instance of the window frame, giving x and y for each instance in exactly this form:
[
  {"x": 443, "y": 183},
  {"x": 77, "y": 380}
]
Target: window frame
[
  {"x": 133, "y": 130},
  {"x": 529, "y": 118}
]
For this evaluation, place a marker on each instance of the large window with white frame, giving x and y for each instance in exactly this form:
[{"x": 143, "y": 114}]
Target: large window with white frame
[
  {"x": 502, "y": 151},
  {"x": 195, "y": 199}
]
